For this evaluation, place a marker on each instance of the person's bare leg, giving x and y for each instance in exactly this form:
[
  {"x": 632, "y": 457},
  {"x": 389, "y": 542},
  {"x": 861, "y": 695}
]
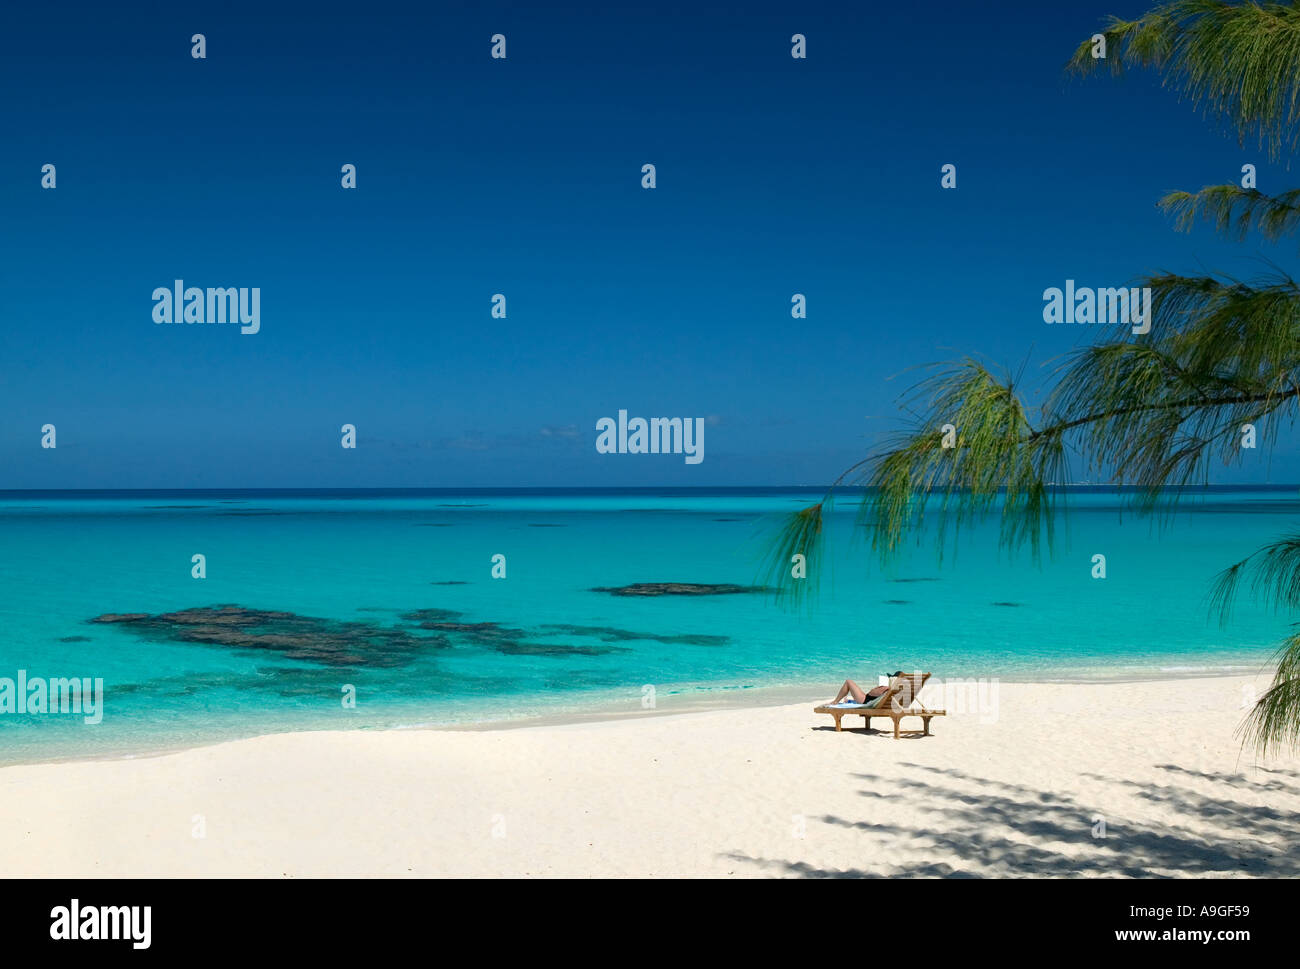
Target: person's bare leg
[{"x": 851, "y": 689}]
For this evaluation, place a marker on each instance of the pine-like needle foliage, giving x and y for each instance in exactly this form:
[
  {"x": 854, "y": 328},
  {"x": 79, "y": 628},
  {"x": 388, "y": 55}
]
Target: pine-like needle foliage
[
  {"x": 1152, "y": 410},
  {"x": 1274, "y": 723},
  {"x": 800, "y": 535},
  {"x": 1238, "y": 62},
  {"x": 1235, "y": 211}
]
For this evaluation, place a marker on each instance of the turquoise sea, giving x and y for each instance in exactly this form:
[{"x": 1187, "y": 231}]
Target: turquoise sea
[{"x": 390, "y": 594}]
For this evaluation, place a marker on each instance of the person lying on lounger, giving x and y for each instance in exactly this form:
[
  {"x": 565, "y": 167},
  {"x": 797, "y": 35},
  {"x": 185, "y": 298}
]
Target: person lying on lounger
[{"x": 859, "y": 695}]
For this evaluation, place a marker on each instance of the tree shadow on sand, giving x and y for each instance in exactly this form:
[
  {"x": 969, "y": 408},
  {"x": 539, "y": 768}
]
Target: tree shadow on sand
[{"x": 1002, "y": 829}]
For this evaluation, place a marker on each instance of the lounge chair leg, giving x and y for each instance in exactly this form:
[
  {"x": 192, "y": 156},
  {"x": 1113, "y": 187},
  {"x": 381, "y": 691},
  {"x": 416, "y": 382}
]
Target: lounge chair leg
[
  {"x": 896, "y": 719},
  {"x": 866, "y": 724},
  {"x": 926, "y": 732},
  {"x": 837, "y": 722}
]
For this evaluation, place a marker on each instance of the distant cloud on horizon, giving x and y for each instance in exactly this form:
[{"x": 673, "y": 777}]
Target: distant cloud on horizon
[{"x": 568, "y": 432}]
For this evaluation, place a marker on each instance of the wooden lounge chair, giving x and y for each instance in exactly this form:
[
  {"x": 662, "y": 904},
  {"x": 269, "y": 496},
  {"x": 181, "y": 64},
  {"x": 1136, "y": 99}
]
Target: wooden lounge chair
[{"x": 895, "y": 703}]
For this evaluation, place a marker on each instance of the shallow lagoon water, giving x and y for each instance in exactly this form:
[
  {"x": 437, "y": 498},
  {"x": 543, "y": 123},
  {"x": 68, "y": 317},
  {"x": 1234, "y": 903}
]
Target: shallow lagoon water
[{"x": 368, "y": 568}]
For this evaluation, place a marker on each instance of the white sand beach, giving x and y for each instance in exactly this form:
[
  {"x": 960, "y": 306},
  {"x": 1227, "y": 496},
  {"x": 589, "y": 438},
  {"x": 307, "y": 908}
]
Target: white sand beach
[{"x": 763, "y": 791}]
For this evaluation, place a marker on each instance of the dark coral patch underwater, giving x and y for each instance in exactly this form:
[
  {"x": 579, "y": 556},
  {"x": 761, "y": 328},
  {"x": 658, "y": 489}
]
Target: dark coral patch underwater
[
  {"x": 680, "y": 589},
  {"x": 492, "y": 635},
  {"x": 368, "y": 643},
  {"x": 330, "y": 642}
]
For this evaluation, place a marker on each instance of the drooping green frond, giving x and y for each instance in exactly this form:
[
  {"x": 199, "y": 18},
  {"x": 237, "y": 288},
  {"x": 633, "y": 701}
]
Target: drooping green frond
[
  {"x": 994, "y": 461},
  {"x": 1219, "y": 355},
  {"x": 1152, "y": 411},
  {"x": 1273, "y": 573},
  {"x": 1235, "y": 210},
  {"x": 1227, "y": 334},
  {"x": 1274, "y": 721},
  {"x": 802, "y": 534},
  {"x": 1240, "y": 62}
]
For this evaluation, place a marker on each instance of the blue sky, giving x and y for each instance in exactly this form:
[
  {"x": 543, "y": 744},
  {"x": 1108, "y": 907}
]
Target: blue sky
[{"x": 522, "y": 176}]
